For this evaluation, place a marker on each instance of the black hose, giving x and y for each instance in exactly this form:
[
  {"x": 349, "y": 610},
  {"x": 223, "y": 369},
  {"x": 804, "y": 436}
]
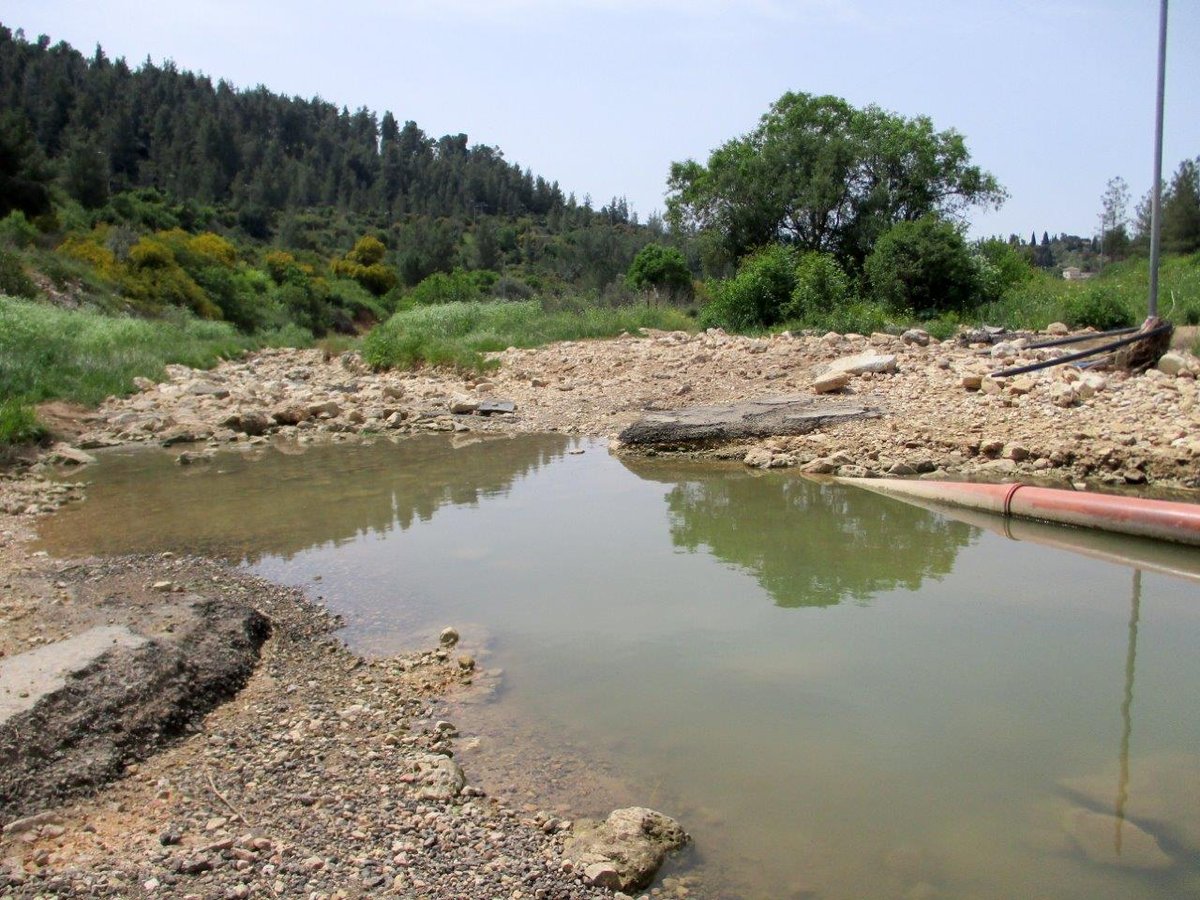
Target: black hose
[
  {"x": 1083, "y": 354},
  {"x": 1077, "y": 338}
]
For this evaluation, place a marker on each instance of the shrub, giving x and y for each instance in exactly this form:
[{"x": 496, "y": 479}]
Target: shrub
[
  {"x": 923, "y": 265},
  {"x": 459, "y": 286},
  {"x": 16, "y": 230},
  {"x": 757, "y": 295},
  {"x": 1101, "y": 306},
  {"x": 13, "y": 280},
  {"x": 660, "y": 269},
  {"x": 821, "y": 288}
]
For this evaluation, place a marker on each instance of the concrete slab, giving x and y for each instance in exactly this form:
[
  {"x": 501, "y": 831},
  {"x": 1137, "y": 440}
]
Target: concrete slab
[{"x": 28, "y": 677}]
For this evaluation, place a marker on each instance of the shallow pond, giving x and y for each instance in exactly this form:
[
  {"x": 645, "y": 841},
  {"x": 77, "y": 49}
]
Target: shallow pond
[{"x": 838, "y": 694}]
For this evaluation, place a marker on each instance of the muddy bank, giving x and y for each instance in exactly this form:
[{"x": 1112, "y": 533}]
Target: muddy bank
[{"x": 326, "y": 776}]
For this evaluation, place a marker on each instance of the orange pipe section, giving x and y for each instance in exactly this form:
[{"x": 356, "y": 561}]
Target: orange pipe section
[{"x": 1160, "y": 519}]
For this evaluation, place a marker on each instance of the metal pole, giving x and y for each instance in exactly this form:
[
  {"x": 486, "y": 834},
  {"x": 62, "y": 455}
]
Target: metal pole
[{"x": 1156, "y": 202}]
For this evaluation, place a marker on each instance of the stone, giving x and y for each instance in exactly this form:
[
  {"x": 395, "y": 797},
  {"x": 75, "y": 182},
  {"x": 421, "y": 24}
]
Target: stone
[
  {"x": 990, "y": 385},
  {"x": 1021, "y": 386},
  {"x": 496, "y": 407},
  {"x": 1057, "y": 329},
  {"x": 859, "y": 364},
  {"x": 1090, "y": 384},
  {"x": 829, "y": 382},
  {"x": 1015, "y": 452},
  {"x": 1063, "y": 395},
  {"x": 1111, "y": 841},
  {"x": 448, "y": 637},
  {"x": 972, "y": 381},
  {"x": 626, "y": 849},
  {"x": 207, "y": 389},
  {"x": 68, "y": 455},
  {"x": 291, "y": 414},
  {"x": 329, "y": 409},
  {"x": 143, "y": 384},
  {"x": 820, "y": 466},
  {"x": 918, "y": 336},
  {"x": 441, "y": 778},
  {"x": 1172, "y": 363},
  {"x": 758, "y": 458},
  {"x": 463, "y": 405},
  {"x": 603, "y": 875}
]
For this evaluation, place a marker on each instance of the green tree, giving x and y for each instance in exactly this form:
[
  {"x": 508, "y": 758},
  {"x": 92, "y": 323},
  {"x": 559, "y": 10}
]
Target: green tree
[
  {"x": 922, "y": 266},
  {"x": 1114, "y": 219},
  {"x": 822, "y": 175},
  {"x": 23, "y": 174},
  {"x": 660, "y": 270},
  {"x": 1181, "y": 210}
]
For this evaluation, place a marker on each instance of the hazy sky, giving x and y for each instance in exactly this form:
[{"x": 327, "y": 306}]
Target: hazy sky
[{"x": 1054, "y": 97}]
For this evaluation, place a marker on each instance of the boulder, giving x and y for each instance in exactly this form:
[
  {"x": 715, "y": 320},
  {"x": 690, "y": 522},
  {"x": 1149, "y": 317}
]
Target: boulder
[
  {"x": 1057, "y": 329},
  {"x": 918, "y": 336},
  {"x": 830, "y": 382},
  {"x": 440, "y": 777},
  {"x": 625, "y": 850},
  {"x": 858, "y": 364},
  {"x": 1172, "y": 363},
  {"x": 758, "y": 458}
]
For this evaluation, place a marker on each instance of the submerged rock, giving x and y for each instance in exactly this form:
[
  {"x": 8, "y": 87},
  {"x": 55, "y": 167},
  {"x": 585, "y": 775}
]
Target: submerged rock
[{"x": 625, "y": 850}]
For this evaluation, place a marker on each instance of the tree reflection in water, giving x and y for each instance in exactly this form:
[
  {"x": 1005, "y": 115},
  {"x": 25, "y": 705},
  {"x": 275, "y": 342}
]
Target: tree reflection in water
[{"x": 827, "y": 543}]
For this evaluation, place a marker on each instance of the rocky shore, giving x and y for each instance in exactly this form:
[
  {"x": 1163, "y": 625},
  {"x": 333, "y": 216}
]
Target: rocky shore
[
  {"x": 940, "y": 413},
  {"x": 327, "y": 774}
]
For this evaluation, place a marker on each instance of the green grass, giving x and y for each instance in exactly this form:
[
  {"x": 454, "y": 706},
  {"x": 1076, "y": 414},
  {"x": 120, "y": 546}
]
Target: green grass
[
  {"x": 1118, "y": 295},
  {"x": 458, "y": 334},
  {"x": 50, "y": 353},
  {"x": 18, "y": 423}
]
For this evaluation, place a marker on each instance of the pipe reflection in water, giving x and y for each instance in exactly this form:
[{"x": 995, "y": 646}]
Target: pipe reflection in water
[{"x": 1135, "y": 610}]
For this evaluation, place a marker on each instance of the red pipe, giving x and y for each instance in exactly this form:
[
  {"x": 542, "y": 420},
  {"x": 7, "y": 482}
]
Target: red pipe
[{"x": 1161, "y": 519}]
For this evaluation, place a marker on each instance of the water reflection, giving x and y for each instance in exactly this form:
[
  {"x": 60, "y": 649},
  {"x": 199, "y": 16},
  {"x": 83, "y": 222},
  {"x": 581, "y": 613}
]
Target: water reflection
[
  {"x": 283, "y": 500},
  {"x": 827, "y": 543}
]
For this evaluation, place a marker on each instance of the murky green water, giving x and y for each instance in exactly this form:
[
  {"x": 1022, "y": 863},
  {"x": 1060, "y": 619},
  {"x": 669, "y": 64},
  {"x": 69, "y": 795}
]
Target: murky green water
[{"x": 840, "y": 695}]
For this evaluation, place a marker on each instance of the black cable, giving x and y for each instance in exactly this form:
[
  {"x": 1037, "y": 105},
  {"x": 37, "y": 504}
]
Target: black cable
[{"x": 1082, "y": 354}]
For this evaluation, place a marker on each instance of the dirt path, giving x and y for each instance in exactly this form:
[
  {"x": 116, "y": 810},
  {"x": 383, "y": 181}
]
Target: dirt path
[{"x": 322, "y": 777}]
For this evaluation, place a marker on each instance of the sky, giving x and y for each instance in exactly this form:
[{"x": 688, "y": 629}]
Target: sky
[{"x": 1053, "y": 97}]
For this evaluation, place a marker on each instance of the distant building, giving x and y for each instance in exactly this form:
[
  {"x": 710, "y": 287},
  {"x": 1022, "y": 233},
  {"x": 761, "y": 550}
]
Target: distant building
[{"x": 1074, "y": 273}]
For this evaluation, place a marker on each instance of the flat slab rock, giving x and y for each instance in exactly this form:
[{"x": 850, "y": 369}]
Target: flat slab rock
[
  {"x": 701, "y": 425},
  {"x": 75, "y": 712}
]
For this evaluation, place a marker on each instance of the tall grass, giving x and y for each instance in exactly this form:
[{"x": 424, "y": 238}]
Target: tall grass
[
  {"x": 47, "y": 352},
  {"x": 458, "y": 334},
  {"x": 1118, "y": 295}
]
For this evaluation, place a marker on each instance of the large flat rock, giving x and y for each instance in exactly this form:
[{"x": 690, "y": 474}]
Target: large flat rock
[{"x": 712, "y": 425}]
